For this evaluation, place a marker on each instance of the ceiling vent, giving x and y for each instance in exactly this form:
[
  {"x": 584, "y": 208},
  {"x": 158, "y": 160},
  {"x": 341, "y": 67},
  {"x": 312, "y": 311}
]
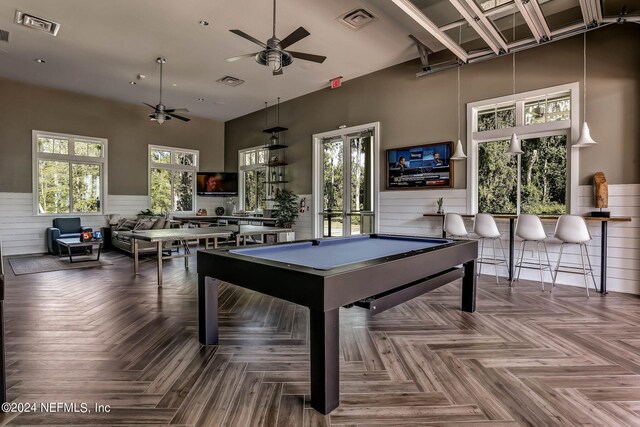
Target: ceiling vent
[
  {"x": 357, "y": 18},
  {"x": 31, "y": 21},
  {"x": 4, "y": 36},
  {"x": 230, "y": 81}
]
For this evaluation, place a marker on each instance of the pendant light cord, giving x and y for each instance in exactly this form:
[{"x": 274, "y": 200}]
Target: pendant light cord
[
  {"x": 459, "y": 43},
  {"x": 514, "y": 59},
  {"x": 278, "y": 111},
  {"x": 266, "y": 123},
  {"x": 584, "y": 71}
]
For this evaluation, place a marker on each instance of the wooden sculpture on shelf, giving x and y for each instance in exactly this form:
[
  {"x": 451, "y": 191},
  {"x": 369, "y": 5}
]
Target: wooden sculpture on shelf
[{"x": 601, "y": 194}]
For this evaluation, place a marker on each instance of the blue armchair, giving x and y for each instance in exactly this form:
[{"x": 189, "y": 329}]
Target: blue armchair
[{"x": 63, "y": 228}]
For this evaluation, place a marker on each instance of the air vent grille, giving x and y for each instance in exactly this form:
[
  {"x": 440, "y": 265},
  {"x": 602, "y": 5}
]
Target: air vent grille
[
  {"x": 230, "y": 81},
  {"x": 4, "y": 36},
  {"x": 36, "y": 23},
  {"x": 357, "y": 18}
]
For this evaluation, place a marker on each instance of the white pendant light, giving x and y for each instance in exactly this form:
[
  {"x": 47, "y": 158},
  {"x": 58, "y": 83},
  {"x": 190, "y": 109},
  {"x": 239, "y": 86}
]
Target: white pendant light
[
  {"x": 458, "y": 154},
  {"x": 515, "y": 147},
  {"x": 585, "y": 139}
]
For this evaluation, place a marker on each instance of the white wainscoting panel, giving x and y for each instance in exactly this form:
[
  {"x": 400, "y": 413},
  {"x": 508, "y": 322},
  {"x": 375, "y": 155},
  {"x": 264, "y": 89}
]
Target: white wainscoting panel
[
  {"x": 127, "y": 206},
  {"x": 21, "y": 231},
  {"x": 401, "y": 211}
]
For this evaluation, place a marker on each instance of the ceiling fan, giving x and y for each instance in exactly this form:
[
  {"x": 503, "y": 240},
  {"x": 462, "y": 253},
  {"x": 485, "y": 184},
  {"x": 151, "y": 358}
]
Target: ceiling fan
[
  {"x": 160, "y": 112},
  {"x": 274, "y": 54}
]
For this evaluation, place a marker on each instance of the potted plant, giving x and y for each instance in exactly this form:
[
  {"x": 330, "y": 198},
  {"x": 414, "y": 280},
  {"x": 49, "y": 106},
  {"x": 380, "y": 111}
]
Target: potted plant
[
  {"x": 440, "y": 202},
  {"x": 285, "y": 208}
]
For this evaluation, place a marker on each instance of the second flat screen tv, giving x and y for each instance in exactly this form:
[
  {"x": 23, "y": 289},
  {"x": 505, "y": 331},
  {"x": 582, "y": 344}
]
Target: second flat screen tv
[
  {"x": 217, "y": 184},
  {"x": 422, "y": 166}
]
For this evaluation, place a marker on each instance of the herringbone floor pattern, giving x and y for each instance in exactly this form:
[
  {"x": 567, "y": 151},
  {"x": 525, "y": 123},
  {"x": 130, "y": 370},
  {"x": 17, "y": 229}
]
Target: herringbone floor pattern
[{"x": 524, "y": 358}]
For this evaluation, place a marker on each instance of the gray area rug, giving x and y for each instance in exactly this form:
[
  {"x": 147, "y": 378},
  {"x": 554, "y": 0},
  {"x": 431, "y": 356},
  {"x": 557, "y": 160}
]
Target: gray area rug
[{"x": 44, "y": 263}]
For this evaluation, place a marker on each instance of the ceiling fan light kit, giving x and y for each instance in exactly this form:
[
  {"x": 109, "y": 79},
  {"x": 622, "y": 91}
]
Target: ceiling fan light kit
[
  {"x": 161, "y": 113},
  {"x": 274, "y": 54}
]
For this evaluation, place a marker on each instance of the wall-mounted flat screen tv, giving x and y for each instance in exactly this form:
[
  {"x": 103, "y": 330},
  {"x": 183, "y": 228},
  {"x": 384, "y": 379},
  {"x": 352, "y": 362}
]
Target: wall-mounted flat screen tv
[
  {"x": 422, "y": 166},
  {"x": 217, "y": 184}
]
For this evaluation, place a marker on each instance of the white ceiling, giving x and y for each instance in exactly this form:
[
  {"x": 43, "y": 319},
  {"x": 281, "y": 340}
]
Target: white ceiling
[{"x": 102, "y": 45}]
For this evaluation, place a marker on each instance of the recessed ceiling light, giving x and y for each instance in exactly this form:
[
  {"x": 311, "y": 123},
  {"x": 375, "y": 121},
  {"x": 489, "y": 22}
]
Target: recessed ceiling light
[
  {"x": 204, "y": 23},
  {"x": 200, "y": 99},
  {"x": 174, "y": 84},
  {"x": 133, "y": 83},
  {"x": 40, "y": 60}
]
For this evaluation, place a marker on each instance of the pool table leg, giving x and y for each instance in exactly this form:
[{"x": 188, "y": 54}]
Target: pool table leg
[
  {"x": 469, "y": 287},
  {"x": 325, "y": 365},
  {"x": 207, "y": 310}
]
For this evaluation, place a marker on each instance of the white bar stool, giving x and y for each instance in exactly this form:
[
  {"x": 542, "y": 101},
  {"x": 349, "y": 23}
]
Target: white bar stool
[
  {"x": 529, "y": 229},
  {"x": 573, "y": 230},
  {"x": 454, "y": 225},
  {"x": 485, "y": 226}
]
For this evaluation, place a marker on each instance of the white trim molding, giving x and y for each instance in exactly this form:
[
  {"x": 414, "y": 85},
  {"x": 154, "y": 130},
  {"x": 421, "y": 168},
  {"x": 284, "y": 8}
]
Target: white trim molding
[
  {"x": 568, "y": 127},
  {"x": 70, "y": 158},
  {"x": 316, "y": 172}
]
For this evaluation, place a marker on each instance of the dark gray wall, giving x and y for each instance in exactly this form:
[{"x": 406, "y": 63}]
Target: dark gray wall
[
  {"x": 27, "y": 107},
  {"x": 414, "y": 111}
]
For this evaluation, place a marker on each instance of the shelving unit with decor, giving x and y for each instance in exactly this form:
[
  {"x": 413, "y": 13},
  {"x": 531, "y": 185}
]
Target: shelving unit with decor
[{"x": 276, "y": 163}]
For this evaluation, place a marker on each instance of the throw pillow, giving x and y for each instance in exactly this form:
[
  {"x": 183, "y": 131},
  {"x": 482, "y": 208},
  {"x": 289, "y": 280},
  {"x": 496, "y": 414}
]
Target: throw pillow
[
  {"x": 145, "y": 224},
  {"x": 127, "y": 225},
  {"x": 159, "y": 224}
]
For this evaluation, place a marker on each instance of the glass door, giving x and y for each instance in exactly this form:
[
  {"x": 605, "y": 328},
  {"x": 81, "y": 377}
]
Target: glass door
[{"x": 347, "y": 185}]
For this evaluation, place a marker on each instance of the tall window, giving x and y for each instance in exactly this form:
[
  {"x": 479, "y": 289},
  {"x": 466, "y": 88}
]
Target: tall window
[
  {"x": 69, "y": 173},
  {"x": 172, "y": 179},
  {"x": 540, "y": 180},
  {"x": 253, "y": 178}
]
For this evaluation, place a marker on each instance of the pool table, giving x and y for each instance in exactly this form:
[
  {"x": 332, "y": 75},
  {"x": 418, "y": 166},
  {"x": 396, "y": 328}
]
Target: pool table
[{"x": 374, "y": 271}]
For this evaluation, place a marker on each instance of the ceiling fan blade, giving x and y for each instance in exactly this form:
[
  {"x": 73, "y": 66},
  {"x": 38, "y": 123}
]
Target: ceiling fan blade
[
  {"x": 248, "y": 37},
  {"x": 184, "y": 119},
  {"x": 179, "y": 110},
  {"x": 278, "y": 73},
  {"x": 308, "y": 57},
  {"x": 149, "y": 105},
  {"x": 294, "y": 37},
  {"x": 236, "y": 58}
]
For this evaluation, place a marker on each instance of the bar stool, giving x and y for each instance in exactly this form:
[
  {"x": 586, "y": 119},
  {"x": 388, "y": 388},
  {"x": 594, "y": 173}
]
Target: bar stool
[
  {"x": 572, "y": 230},
  {"x": 485, "y": 226},
  {"x": 454, "y": 225},
  {"x": 529, "y": 229}
]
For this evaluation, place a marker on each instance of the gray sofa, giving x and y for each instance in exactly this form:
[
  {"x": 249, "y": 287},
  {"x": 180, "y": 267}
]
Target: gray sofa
[{"x": 125, "y": 244}]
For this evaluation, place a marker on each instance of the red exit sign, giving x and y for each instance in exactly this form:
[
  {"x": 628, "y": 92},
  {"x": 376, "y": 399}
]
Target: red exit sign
[{"x": 336, "y": 82}]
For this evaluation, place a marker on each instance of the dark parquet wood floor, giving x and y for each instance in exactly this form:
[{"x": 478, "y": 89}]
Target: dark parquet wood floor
[{"x": 524, "y": 358}]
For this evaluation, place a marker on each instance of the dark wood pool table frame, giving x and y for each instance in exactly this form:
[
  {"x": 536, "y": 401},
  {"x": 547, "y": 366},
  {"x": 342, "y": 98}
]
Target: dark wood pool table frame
[{"x": 377, "y": 283}]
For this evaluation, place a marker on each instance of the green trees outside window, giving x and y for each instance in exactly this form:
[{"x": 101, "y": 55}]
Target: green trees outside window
[
  {"x": 543, "y": 176},
  {"x": 69, "y": 174},
  {"x": 171, "y": 179}
]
